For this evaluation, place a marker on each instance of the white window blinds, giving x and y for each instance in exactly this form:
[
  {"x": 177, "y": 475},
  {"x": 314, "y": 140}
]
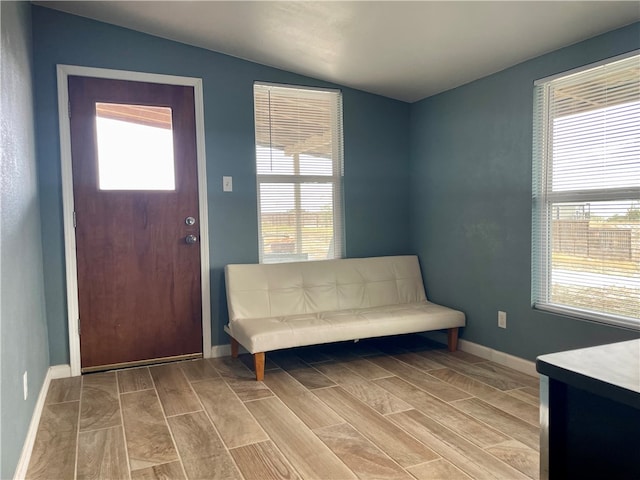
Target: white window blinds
[
  {"x": 586, "y": 193},
  {"x": 299, "y": 173}
]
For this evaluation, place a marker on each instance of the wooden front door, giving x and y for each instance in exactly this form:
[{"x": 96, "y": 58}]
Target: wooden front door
[{"x": 135, "y": 187}]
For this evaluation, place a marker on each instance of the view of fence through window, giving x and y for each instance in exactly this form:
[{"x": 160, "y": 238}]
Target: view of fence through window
[
  {"x": 299, "y": 172},
  {"x": 595, "y": 245},
  {"x": 292, "y": 211}
]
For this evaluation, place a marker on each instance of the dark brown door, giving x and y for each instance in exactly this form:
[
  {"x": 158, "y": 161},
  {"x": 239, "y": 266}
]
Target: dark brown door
[{"x": 137, "y": 228}]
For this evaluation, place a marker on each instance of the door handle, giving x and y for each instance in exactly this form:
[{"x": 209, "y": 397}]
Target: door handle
[{"x": 191, "y": 239}]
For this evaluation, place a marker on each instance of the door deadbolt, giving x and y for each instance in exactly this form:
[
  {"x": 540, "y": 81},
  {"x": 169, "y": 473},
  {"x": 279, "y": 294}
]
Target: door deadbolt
[{"x": 190, "y": 221}]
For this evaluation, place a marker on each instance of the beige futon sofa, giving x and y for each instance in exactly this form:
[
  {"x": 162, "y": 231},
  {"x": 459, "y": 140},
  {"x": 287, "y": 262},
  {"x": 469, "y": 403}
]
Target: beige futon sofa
[{"x": 284, "y": 305}]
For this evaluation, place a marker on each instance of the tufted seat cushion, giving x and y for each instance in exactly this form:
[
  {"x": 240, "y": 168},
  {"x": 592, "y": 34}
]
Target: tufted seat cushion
[{"x": 273, "y": 333}]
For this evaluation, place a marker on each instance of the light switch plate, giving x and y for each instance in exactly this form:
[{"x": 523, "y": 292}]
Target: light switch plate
[{"x": 227, "y": 184}]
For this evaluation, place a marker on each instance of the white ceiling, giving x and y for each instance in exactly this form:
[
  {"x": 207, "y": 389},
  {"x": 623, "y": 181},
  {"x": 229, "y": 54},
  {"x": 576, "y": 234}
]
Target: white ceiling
[{"x": 402, "y": 50}]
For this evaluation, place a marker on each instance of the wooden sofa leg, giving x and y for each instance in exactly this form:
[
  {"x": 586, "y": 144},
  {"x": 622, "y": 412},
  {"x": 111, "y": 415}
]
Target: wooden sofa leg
[
  {"x": 452, "y": 339},
  {"x": 235, "y": 346},
  {"x": 258, "y": 361}
]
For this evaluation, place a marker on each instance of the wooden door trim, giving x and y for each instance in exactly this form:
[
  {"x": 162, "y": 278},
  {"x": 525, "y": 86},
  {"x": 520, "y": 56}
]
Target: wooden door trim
[{"x": 63, "y": 72}]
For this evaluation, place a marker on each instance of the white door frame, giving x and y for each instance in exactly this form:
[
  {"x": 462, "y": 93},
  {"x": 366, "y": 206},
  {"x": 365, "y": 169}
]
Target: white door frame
[{"x": 71, "y": 268}]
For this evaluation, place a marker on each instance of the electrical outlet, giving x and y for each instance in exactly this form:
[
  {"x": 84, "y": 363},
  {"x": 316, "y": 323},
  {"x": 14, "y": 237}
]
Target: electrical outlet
[
  {"x": 25, "y": 385},
  {"x": 502, "y": 319}
]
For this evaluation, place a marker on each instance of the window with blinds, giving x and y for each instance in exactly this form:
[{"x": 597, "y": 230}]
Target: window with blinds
[
  {"x": 586, "y": 193},
  {"x": 299, "y": 172}
]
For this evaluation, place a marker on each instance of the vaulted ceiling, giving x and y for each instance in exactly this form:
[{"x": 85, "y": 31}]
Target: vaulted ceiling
[{"x": 402, "y": 50}]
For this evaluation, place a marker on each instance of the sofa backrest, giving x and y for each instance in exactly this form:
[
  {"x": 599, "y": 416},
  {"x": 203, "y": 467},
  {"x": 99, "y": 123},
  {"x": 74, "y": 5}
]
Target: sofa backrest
[{"x": 279, "y": 289}]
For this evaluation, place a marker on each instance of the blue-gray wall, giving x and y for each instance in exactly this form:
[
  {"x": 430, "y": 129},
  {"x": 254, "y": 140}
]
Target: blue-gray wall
[
  {"x": 23, "y": 329},
  {"x": 471, "y": 202},
  {"x": 376, "y": 150}
]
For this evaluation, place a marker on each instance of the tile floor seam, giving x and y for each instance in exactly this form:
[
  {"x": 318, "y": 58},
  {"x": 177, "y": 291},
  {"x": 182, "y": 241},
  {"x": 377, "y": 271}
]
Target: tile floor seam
[
  {"x": 124, "y": 431},
  {"x": 75, "y": 468},
  {"x": 166, "y": 422}
]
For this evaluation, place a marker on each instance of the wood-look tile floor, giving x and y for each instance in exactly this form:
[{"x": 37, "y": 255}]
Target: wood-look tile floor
[{"x": 393, "y": 408}]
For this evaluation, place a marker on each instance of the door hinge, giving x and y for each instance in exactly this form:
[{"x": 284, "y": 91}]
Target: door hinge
[
  {"x": 78, "y": 326},
  {"x": 74, "y": 220},
  {"x": 69, "y": 108}
]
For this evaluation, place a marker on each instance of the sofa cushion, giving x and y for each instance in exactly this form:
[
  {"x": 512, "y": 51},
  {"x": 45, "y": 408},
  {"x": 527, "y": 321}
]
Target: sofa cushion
[
  {"x": 272, "y": 290},
  {"x": 284, "y": 331}
]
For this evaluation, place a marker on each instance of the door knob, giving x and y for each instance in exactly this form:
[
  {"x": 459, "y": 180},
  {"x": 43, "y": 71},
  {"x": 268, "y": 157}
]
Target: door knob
[{"x": 191, "y": 239}]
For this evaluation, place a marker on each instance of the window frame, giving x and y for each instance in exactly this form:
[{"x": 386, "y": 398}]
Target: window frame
[
  {"x": 543, "y": 201},
  {"x": 336, "y": 179}
]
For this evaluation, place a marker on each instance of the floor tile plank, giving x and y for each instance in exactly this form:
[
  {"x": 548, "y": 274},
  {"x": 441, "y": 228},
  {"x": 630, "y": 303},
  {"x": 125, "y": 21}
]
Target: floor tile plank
[
  {"x": 166, "y": 471},
  {"x": 102, "y": 454},
  {"x": 471, "y": 459},
  {"x": 466, "y": 357},
  {"x": 401, "y": 447},
  {"x": 440, "y": 469},
  {"x": 201, "y": 450},
  {"x": 134, "y": 379},
  {"x": 502, "y": 400},
  {"x": 64, "y": 390},
  {"x": 458, "y": 380},
  {"x": 147, "y": 435},
  {"x": 359, "y": 454},
  {"x": 473, "y": 430},
  {"x": 301, "y": 401},
  {"x": 241, "y": 379},
  {"x": 519, "y": 456},
  {"x": 365, "y": 368},
  {"x": 230, "y": 416},
  {"x": 54, "y": 449},
  {"x": 174, "y": 390},
  {"x": 525, "y": 395},
  {"x": 338, "y": 372},
  {"x": 247, "y": 360},
  {"x": 377, "y": 397},
  {"x": 263, "y": 461},
  {"x": 422, "y": 380},
  {"x": 500, "y": 420},
  {"x": 476, "y": 371},
  {"x": 418, "y": 361},
  {"x": 99, "y": 406},
  {"x": 306, "y": 453},
  {"x": 301, "y": 371},
  {"x": 516, "y": 376},
  {"x": 519, "y": 408},
  {"x": 196, "y": 370}
]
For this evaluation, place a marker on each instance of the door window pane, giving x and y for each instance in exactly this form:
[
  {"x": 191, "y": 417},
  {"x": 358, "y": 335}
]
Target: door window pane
[{"x": 135, "y": 147}]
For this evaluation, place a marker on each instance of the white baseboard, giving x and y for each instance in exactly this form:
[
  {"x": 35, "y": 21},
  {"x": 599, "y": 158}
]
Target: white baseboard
[
  {"x": 220, "y": 351},
  {"x": 511, "y": 361},
  {"x": 224, "y": 350},
  {"x": 56, "y": 371},
  {"x": 60, "y": 371}
]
